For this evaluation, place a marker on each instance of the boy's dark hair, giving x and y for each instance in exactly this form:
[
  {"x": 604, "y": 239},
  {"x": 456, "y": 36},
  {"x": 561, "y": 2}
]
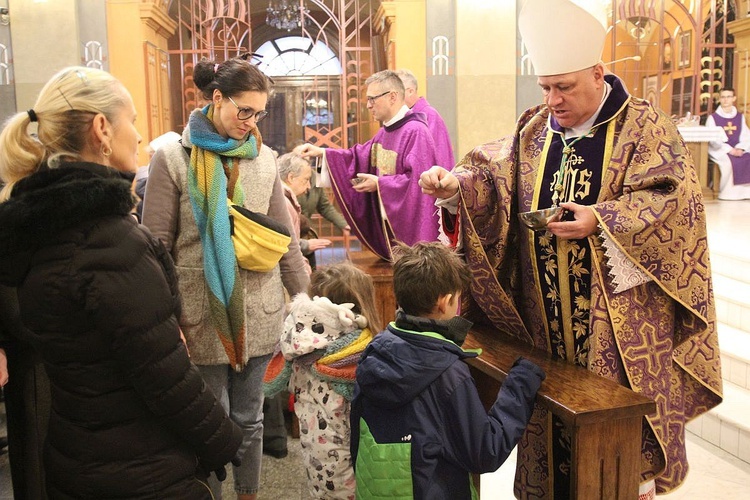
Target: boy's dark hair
[{"x": 424, "y": 272}]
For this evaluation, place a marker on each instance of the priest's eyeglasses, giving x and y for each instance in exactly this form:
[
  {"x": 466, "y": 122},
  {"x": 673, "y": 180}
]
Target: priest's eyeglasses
[
  {"x": 247, "y": 113},
  {"x": 371, "y": 99}
]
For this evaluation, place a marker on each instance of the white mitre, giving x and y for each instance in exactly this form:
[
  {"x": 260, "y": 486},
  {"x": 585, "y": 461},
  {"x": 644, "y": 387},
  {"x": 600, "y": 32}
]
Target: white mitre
[{"x": 563, "y": 36}]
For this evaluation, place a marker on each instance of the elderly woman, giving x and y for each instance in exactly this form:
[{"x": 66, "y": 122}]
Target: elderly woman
[
  {"x": 295, "y": 173},
  {"x": 131, "y": 416}
]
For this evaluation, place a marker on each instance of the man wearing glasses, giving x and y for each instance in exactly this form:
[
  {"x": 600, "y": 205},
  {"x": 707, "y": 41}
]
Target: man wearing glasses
[{"x": 376, "y": 183}]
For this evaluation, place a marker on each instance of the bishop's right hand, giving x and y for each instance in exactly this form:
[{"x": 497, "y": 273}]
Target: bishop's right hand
[{"x": 438, "y": 182}]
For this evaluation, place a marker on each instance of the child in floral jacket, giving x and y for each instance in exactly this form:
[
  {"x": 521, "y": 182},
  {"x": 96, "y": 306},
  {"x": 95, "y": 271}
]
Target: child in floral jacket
[{"x": 318, "y": 353}]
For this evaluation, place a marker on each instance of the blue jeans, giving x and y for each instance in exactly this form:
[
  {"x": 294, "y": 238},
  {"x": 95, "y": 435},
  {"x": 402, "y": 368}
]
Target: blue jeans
[{"x": 241, "y": 395}]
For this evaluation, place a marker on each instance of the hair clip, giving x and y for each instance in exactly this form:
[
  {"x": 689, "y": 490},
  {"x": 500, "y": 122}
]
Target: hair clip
[
  {"x": 80, "y": 74},
  {"x": 63, "y": 96},
  {"x": 246, "y": 56}
]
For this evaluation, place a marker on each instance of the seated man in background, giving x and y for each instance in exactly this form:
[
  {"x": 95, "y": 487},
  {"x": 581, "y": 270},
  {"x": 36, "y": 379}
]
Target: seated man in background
[{"x": 731, "y": 156}]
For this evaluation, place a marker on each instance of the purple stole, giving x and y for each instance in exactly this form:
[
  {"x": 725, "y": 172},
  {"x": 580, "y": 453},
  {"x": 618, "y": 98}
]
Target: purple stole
[
  {"x": 443, "y": 146},
  {"x": 740, "y": 164},
  {"x": 398, "y": 154}
]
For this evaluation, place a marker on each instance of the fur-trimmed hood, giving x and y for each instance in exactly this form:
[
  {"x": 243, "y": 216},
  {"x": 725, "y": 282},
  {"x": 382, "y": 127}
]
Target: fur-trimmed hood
[{"x": 51, "y": 201}]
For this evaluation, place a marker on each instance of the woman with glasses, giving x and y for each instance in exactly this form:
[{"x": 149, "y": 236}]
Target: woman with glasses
[
  {"x": 231, "y": 317},
  {"x": 131, "y": 416}
]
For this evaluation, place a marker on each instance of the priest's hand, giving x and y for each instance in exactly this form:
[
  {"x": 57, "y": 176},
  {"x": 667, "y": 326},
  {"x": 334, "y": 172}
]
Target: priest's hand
[
  {"x": 368, "y": 185},
  {"x": 438, "y": 182},
  {"x": 308, "y": 150},
  {"x": 583, "y": 225}
]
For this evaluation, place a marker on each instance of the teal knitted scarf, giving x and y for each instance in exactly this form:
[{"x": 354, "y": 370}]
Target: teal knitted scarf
[{"x": 208, "y": 188}]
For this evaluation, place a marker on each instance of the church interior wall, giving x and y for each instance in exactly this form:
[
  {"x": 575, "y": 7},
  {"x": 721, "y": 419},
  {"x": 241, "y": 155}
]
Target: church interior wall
[
  {"x": 44, "y": 40},
  {"x": 485, "y": 71},
  {"x": 480, "y": 98}
]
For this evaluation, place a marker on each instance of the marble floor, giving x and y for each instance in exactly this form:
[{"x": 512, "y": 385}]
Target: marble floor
[{"x": 713, "y": 473}]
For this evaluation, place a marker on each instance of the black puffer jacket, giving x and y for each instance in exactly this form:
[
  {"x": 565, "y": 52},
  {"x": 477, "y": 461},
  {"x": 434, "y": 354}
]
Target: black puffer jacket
[{"x": 131, "y": 415}]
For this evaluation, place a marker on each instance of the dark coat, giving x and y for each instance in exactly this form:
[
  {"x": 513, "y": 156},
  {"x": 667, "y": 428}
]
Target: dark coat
[
  {"x": 413, "y": 389},
  {"x": 131, "y": 416},
  {"x": 27, "y": 403}
]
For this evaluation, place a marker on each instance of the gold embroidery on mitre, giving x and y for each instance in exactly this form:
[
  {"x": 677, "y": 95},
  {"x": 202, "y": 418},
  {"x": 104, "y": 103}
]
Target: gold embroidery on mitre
[{"x": 383, "y": 159}]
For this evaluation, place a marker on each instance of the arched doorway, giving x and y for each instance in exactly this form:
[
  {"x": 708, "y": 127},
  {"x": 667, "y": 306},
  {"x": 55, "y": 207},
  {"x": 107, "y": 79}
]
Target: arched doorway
[
  {"x": 306, "y": 101},
  {"x": 221, "y": 30}
]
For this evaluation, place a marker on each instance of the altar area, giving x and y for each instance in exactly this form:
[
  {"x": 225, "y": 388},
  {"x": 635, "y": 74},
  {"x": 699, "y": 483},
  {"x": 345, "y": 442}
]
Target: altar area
[{"x": 697, "y": 139}]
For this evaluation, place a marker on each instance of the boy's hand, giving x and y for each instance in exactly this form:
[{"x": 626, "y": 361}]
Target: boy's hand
[{"x": 529, "y": 365}]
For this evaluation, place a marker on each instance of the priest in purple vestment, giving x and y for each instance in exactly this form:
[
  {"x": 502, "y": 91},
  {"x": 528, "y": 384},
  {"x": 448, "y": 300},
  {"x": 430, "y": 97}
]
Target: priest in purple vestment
[
  {"x": 435, "y": 122},
  {"x": 376, "y": 183},
  {"x": 732, "y": 157}
]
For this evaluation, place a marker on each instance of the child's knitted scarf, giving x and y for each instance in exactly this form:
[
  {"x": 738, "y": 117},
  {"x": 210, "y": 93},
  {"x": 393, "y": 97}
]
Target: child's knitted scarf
[
  {"x": 208, "y": 191},
  {"x": 337, "y": 364}
]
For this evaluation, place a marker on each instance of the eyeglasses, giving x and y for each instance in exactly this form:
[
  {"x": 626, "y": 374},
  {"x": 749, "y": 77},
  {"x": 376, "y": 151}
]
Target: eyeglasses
[
  {"x": 247, "y": 113},
  {"x": 371, "y": 99}
]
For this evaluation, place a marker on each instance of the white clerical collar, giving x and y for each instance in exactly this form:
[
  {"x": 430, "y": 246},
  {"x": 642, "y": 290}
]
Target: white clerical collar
[
  {"x": 401, "y": 113},
  {"x": 585, "y": 127},
  {"x": 724, "y": 114}
]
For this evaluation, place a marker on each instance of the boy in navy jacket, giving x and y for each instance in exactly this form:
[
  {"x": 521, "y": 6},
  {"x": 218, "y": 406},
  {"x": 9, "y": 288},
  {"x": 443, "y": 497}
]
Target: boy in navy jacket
[{"x": 419, "y": 428}]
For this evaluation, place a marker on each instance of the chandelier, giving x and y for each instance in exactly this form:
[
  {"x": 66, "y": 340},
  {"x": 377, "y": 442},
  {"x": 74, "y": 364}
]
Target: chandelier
[
  {"x": 286, "y": 14},
  {"x": 639, "y": 27}
]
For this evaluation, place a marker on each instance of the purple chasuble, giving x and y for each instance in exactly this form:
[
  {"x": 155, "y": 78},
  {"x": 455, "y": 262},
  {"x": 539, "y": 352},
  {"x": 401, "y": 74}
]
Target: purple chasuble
[
  {"x": 443, "y": 146},
  {"x": 398, "y": 154},
  {"x": 740, "y": 164}
]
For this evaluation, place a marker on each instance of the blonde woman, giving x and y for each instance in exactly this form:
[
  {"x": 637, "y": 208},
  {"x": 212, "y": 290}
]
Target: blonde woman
[{"x": 131, "y": 415}]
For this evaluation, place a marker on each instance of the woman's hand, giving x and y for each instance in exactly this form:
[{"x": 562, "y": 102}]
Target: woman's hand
[
  {"x": 184, "y": 341},
  {"x": 3, "y": 368},
  {"x": 317, "y": 243}
]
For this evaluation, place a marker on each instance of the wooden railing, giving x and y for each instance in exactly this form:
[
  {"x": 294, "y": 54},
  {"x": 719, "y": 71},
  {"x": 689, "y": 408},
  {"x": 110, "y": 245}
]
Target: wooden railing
[{"x": 605, "y": 418}]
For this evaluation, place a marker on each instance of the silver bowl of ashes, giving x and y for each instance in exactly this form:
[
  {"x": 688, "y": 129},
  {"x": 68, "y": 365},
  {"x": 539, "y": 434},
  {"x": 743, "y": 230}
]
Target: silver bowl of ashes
[{"x": 538, "y": 219}]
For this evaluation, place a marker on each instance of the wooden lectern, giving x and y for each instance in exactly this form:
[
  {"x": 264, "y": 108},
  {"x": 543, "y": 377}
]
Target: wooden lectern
[{"x": 381, "y": 272}]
